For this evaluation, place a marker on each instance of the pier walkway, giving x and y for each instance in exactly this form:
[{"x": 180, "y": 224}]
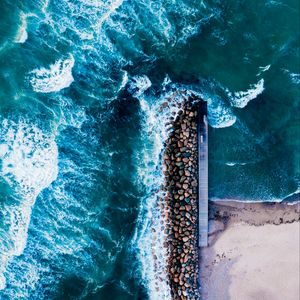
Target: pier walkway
[{"x": 203, "y": 175}]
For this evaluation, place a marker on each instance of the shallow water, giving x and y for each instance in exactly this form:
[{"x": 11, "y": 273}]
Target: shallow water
[{"x": 81, "y": 135}]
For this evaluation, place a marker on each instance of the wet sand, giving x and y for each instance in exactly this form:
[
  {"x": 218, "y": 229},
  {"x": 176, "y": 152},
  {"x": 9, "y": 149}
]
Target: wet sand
[{"x": 253, "y": 252}]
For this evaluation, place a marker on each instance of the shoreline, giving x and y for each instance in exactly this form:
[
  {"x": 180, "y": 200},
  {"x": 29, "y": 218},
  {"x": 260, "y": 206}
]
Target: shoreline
[
  {"x": 253, "y": 251},
  {"x": 293, "y": 199},
  {"x": 179, "y": 208},
  {"x": 254, "y": 213}
]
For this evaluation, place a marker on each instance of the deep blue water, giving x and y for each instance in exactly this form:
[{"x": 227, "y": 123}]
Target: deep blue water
[{"x": 81, "y": 132}]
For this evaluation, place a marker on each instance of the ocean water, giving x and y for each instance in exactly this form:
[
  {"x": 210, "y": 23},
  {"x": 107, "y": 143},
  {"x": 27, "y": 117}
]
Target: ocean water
[{"x": 82, "y": 130}]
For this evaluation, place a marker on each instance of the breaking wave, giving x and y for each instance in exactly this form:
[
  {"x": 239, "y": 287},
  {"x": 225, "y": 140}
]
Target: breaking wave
[
  {"x": 149, "y": 236},
  {"x": 29, "y": 164},
  {"x": 219, "y": 116},
  {"x": 57, "y": 77},
  {"x": 241, "y": 99},
  {"x": 22, "y": 34},
  {"x": 138, "y": 85}
]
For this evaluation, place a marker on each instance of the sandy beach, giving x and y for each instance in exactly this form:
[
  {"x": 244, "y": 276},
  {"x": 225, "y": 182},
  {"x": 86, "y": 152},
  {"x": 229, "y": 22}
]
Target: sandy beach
[
  {"x": 253, "y": 252},
  {"x": 253, "y": 248}
]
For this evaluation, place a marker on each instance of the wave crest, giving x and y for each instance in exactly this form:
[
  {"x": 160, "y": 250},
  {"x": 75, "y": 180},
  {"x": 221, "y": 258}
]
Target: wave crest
[
  {"x": 138, "y": 85},
  {"x": 240, "y": 99},
  {"x": 57, "y": 77},
  {"x": 28, "y": 164},
  {"x": 22, "y": 34}
]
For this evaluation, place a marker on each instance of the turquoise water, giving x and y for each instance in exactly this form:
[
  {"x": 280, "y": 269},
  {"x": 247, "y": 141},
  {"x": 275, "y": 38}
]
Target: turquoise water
[{"x": 81, "y": 133}]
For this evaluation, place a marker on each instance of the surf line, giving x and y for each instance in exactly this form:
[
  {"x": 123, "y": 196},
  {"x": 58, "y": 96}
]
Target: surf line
[{"x": 186, "y": 202}]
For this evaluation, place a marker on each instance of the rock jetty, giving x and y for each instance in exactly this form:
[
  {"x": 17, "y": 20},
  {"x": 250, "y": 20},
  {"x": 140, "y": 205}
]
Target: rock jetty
[{"x": 180, "y": 203}]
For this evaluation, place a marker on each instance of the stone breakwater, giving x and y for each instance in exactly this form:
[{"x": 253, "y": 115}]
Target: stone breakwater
[{"x": 181, "y": 172}]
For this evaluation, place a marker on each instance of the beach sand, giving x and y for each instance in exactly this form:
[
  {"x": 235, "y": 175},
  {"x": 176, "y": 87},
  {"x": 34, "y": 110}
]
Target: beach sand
[{"x": 253, "y": 252}]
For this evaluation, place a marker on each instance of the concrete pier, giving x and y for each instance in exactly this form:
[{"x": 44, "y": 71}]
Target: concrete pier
[{"x": 202, "y": 137}]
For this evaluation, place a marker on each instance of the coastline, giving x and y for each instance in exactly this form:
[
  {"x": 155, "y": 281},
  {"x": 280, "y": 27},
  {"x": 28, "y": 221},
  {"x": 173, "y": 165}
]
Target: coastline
[
  {"x": 253, "y": 251},
  {"x": 253, "y": 213},
  {"x": 179, "y": 213}
]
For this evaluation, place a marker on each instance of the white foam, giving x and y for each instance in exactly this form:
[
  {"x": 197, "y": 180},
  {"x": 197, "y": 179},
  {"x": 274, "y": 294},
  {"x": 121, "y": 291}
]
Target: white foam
[
  {"x": 45, "y": 6},
  {"x": 3, "y": 150},
  {"x": 124, "y": 81},
  {"x": 112, "y": 7},
  {"x": 263, "y": 69},
  {"x": 295, "y": 77},
  {"x": 231, "y": 164},
  {"x": 219, "y": 116},
  {"x": 241, "y": 99},
  {"x": 29, "y": 165},
  {"x": 293, "y": 193},
  {"x": 276, "y": 200},
  {"x": 22, "y": 35},
  {"x": 138, "y": 85},
  {"x": 166, "y": 82},
  {"x": 29, "y": 273},
  {"x": 57, "y": 77},
  {"x": 150, "y": 236}
]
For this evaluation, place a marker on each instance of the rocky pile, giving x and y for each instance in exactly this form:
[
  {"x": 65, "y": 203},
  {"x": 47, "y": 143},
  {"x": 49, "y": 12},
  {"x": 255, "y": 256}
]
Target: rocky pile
[{"x": 180, "y": 170}]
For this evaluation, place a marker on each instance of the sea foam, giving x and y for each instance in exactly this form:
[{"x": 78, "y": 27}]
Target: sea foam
[
  {"x": 219, "y": 116},
  {"x": 138, "y": 85},
  {"x": 22, "y": 34},
  {"x": 294, "y": 77},
  {"x": 263, "y": 69},
  {"x": 57, "y": 77},
  {"x": 111, "y": 8},
  {"x": 150, "y": 235},
  {"x": 240, "y": 99},
  {"x": 29, "y": 164}
]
